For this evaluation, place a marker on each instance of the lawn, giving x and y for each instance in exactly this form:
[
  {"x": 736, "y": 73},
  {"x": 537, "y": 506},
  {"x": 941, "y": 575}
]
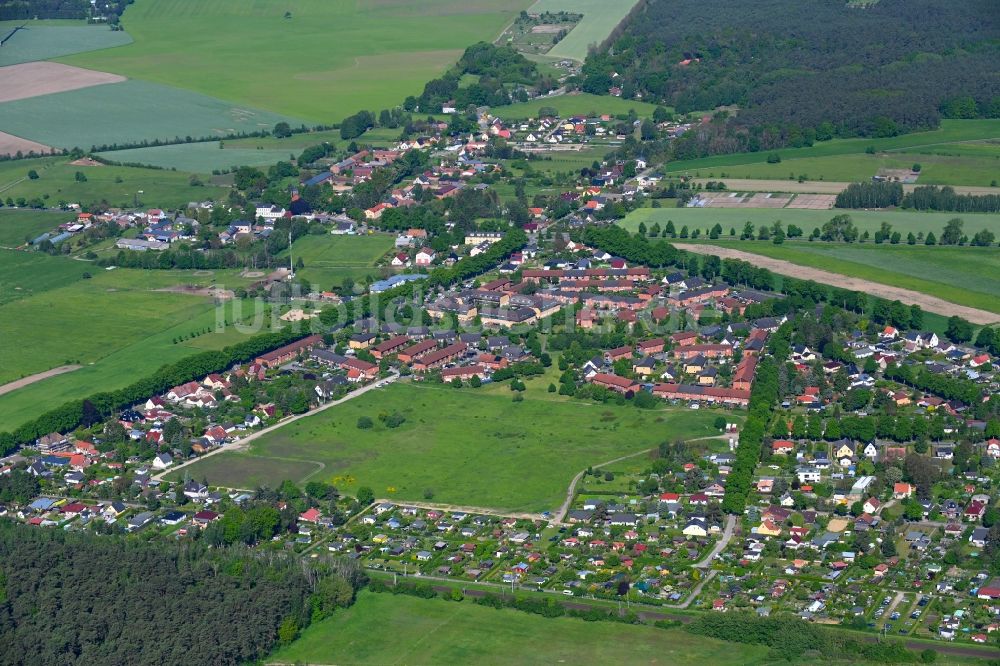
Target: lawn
[
  {"x": 583, "y": 104},
  {"x": 599, "y": 18},
  {"x": 321, "y": 61},
  {"x": 23, "y": 274},
  {"x": 964, "y": 275},
  {"x": 903, "y": 221},
  {"x": 396, "y": 629},
  {"x": 203, "y": 157},
  {"x": 570, "y": 160},
  {"x": 329, "y": 259},
  {"x": 16, "y": 226},
  {"x": 129, "y": 112},
  {"x": 950, "y": 132},
  {"x": 464, "y": 446},
  {"x": 43, "y": 40},
  {"x": 118, "y": 186}
]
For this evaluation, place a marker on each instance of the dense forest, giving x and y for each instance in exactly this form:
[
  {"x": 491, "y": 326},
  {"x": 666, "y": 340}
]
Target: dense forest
[
  {"x": 16, "y": 10},
  {"x": 804, "y": 72},
  {"x": 77, "y": 598}
]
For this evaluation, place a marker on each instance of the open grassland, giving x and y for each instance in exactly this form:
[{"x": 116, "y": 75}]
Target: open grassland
[
  {"x": 902, "y": 221},
  {"x": 204, "y": 157},
  {"x": 17, "y": 225},
  {"x": 467, "y": 447},
  {"x": 24, "y": 274},
  {"x": 329, "y": 259},
  {"x": 395, "y": 629},
  {"x": 583, "y": 104},
  {"x": 964, "y": 275},
  {"x": 325, "y": 61},
  {"x": 128, "y": 112},
  {"x": 846, "y": 159},
  {"x": 569, "y": 160},
  {"x": 119, "y": 186},
  {"x": 599, "y": 18},
  {"x": 42, "y": 40}
]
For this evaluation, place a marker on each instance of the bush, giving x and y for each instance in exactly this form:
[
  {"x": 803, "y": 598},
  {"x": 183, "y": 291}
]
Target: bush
[{"x": 365, "y": 423}]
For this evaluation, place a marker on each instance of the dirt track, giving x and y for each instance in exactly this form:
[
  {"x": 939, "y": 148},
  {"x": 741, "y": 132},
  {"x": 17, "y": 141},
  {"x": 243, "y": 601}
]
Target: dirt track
[
  {"x": 24, "y": 381},
  {"x": 930, "y": 303},
  {"x": 32, "y": 79}
]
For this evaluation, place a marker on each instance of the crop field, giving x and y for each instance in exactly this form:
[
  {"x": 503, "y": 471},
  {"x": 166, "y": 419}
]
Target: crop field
[
  {"x": 396, "y": 629},
  {"x": 203, "y": 157},
  {"x": 329, "y": 259},
  {"x": 42, "y": 40},
  {"x": 320, "y": 61},
  {"x": 572, "y": 105},
  {"x": 901, "y": 220},
  {"x": 964, "y": 275},
  {"x": 463, "y": 446},
  {"x": 859, "y": 164},
  {"x": 18, "y": 225},
  {"x": 599, "y": 19},
  {"x": 119, "y": 186},
  {"x": 128, "y": 112}
]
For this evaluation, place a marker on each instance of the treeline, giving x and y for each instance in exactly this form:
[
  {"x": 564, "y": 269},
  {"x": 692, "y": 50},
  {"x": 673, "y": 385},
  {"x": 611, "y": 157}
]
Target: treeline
[
  {"x": 791, "y": 638},
  {"x": 793, "y": 70},
  {"x": 78, "y": 598},
  {"x": 925, "y": 197},
  {"x": 764, "y": 397},
  {"x": 870, "y": 195},
  {"x": 95, "y": 408}
]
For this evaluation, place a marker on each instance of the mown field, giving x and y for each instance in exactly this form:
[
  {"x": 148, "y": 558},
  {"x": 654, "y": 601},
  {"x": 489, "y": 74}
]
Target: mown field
[
  {"x": 395, "y": 629},
  {"x": 902, "y": 221},
  {"x": 119, "y": 186},
  {"x": 599, "y": 19},
  {"x": 569, "y": 160},
  {"x": 201, "y": 158},
  {"x": 129, "y": 112},
  {"x": 329, "y": 259},
  {"x": 322, "y": 62},
  {"x": 42, "y": 40},
  {"x": 23, "y": 274},
  {"x": 964, "y": 275},
  {"x": 465, "y": 446},
  {"x": 116, "y": 324},
  {"x": 583, "y": 104},
  {"x": 846, "y": 159},
  {"x": 20, "y": 224}
]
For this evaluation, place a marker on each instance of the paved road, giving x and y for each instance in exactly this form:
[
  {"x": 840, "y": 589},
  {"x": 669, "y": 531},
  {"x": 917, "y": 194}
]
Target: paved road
[
  {"x": 242, "y": 444},
  {"x": 727, "y": 535}
]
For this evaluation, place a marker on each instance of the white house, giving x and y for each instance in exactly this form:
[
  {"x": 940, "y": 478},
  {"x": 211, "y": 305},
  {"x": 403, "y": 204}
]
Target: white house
[
  {"x": 425, "y": 257},
  {"x": 163, "y": 461}
]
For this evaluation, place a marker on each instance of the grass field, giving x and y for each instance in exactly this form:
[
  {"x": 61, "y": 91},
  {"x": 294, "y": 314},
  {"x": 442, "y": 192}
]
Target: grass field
[
  {"x": 599, "y": 18},
  {"x": 127, "y": 112},
  {"x": 116, "y": 185},
  {"x": 569, "y": 160},
  {"x": 846, "y": 159},
  {"x": 43, "y": 40},
  {"x": 329, "y": 259},
  {"x": 23, "y": 274},
  {"x": 469, "y": 447},
  {"x": 394, "y": 629},
  {"x": 964, "y": 275},
  {"x": 17, "y": 225},
  {"x": 202, "y": 157},
  {"x": 572, "y": 105},
  {"x": 901, "y": 220},
  {"x": 324, "y": 62}
]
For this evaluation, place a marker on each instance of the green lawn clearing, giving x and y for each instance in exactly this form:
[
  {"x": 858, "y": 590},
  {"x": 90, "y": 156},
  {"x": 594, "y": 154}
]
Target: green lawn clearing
[
  {"x": 19, "y": 225},
  {"x": 329, "y": 259},
  {"x": 395, "y": 629},
  {"x": 203, "y": 157},
  {"x": 43, "y": 40},
  {"x": 583, "y": 104},
  {"x": 464, "y": 446},
  {"x": 129, "y": 112},
  {"x": 23, "y": 274},
  {"x": 599, "y": 19},
  {"x": 313, "y": 59}
]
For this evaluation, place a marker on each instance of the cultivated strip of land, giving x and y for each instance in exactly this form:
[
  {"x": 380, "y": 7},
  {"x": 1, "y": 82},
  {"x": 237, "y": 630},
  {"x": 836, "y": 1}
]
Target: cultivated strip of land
[
  {"x": 817, "y": 186},
  {"x": 930, "y": 303},
  {"x": 32, "y": 79}
]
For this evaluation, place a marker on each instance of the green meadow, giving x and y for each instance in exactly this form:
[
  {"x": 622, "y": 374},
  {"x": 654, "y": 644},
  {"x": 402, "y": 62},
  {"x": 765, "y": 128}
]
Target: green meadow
[
  {"x": 964, "y": 275},
  {"x": 464, "y": 446},
  {"x": 18, "y": 225},
  {"x": 43, "y": 40},
  {"x": 204, "y": 157},
  {"x": 24, "y": 274},
  {"x": 396, "y": 629},
  {"x": 329, "y": 259},
  {"x": 313, "y": 59},
  {"x": 129, "y": 112},
  {"x": 582, "y": 104},
  {"x": 118, "y": 186},
  {"x": 599, "y": 19},
  {"x": 903, "y": 221}
]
